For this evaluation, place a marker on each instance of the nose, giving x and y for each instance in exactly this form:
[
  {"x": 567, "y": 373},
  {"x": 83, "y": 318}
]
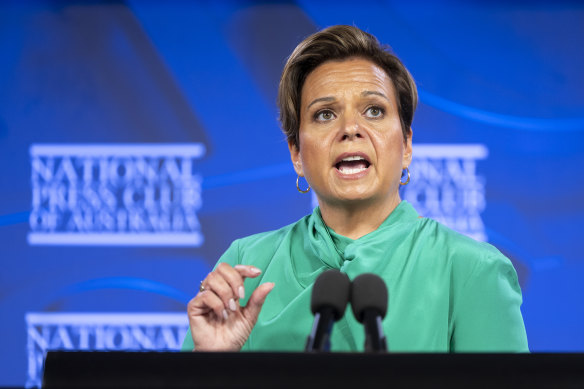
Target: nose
[{"x": 350, "y": 128}]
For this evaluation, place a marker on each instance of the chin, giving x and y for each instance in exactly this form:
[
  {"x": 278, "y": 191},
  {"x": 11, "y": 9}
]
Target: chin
[{"x": 353, "y": 198}]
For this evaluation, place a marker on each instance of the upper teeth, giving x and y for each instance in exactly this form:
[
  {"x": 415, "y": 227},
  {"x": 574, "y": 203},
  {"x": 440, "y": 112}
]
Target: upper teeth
[{"x": 353, "y": 158}]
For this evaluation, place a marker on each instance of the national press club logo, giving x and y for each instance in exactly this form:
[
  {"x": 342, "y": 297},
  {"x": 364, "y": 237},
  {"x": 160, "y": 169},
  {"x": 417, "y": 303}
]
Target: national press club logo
[
  {"x": 99, "y": 331},
  {"x": 115, "y": 194},
  {"x": 445, "y": 186}
]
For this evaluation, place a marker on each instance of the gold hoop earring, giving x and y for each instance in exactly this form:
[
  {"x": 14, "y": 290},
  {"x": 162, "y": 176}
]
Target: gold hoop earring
[
  {"x": 408, "y": 180},
  {"x": 298, "y": 186}
]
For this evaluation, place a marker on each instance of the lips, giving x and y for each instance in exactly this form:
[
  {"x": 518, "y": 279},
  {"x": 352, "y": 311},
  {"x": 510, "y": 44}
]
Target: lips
[{"x": 352, "y": 163}]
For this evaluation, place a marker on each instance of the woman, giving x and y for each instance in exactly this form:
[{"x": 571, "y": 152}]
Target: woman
[{"x": 346, "y": 106}]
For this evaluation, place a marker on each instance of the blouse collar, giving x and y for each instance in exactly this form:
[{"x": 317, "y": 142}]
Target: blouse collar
[{"x": 334, "y": 249}]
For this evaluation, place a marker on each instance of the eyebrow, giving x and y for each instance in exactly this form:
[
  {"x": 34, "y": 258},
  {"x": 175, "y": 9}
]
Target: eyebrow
[
  {"x": 327, "y": 99},
  {"x": 370, "y": 92}
]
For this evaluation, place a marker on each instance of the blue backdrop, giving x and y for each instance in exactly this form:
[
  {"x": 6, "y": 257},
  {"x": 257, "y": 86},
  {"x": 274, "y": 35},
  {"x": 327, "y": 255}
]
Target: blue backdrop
[{"x": 504, "y": 75}]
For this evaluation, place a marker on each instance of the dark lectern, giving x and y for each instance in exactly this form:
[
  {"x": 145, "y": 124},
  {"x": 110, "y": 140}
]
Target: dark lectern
[{"x": 309, "y": 370}]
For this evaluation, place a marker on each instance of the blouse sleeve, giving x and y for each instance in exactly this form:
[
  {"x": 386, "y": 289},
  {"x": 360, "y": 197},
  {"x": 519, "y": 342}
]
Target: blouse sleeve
[{"x": 487, "y": 315}]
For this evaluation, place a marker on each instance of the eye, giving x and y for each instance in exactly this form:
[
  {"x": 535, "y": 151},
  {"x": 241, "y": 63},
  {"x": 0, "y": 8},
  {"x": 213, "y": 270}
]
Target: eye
[
  {"x": 324, "y": 116},
  {"x": 374, "y": 112}
]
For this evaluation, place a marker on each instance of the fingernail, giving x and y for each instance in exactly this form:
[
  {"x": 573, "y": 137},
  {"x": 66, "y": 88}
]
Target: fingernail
[
  {"x": 241, "y": 292},
  {"x": 272, "y": 285},
  {"x": 232, "y": 305},
  {"x": 255, "y": 270},
  {"x": 225, "y": 316}
]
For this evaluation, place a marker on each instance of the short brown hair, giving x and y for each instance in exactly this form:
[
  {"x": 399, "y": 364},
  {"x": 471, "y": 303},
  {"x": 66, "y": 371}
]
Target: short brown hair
[{"x": 339, "y": 43}]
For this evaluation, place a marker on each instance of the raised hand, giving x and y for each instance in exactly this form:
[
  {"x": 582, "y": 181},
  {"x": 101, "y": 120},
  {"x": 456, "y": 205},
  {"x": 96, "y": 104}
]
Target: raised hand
[{"x": 217, "y": 321}]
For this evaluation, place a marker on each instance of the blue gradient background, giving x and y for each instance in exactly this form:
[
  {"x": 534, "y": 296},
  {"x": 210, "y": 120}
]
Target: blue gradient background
[{"x": 508, "y": 75}]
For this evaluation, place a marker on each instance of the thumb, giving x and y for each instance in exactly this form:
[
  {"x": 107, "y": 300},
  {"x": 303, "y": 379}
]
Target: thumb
[{"x": 256, "y": 301}]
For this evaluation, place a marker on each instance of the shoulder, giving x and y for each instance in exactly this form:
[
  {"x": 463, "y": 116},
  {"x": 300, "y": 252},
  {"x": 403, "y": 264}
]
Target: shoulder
[
  {"x": 272, "y": 238},
  {"x": 466, "y": 256},
  {"x": 254, "y": 248},
  {"x": 483, "y": 285}
]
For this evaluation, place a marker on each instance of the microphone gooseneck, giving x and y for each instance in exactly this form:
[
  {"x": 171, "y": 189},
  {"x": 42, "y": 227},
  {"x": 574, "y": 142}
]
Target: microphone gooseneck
[
  {"x": 369, "y": 300},
  {"x": 330, "y": 295}
]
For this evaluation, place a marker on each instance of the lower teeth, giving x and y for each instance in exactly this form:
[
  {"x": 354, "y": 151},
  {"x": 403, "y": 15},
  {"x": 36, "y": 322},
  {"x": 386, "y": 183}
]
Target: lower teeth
[{"x": 351, "y": 171}]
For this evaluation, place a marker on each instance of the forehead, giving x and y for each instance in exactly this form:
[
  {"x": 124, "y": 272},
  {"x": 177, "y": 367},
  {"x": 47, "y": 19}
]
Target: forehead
[{"x": 350, "y": 75}]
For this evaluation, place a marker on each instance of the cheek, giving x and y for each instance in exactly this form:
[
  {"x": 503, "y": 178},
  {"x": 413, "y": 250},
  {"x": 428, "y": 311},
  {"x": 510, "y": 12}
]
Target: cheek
[
  {"x": 388, "y": 140},
  {"x": 312, "y": 148},
  {"x": 390, "y": 149}
]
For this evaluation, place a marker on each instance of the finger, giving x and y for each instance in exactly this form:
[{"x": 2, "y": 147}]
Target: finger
[
  {"x": 216, "y": 283},
  {"x": 246, "y": 271},
  {"x": 233, "y": 277},
  {"x": 206, "y": 302},
  {"x": 256, "y": 301}
]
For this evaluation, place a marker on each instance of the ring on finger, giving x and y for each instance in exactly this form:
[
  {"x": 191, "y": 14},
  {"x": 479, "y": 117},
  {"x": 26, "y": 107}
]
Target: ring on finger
[{"x": 202, "y": 286}]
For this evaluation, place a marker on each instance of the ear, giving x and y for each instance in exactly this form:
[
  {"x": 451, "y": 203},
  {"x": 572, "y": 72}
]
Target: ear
[
  {"x": 407, "y": 158},
  {"x": 296, "y": 158}
]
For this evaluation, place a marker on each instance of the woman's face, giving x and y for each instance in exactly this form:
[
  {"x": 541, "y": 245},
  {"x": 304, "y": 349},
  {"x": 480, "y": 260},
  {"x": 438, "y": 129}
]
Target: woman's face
[{"x": 351, "y": 147}]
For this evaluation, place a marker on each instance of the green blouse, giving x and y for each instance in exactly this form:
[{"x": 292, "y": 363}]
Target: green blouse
[{"x": 447, "y": 292}]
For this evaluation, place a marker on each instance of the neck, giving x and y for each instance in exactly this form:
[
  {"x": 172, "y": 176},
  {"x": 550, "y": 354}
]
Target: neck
[{"x": 356, "y": 220}]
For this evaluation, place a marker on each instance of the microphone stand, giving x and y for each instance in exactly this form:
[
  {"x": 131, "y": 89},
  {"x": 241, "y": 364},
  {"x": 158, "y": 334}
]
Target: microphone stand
[
  {"x": 375, "y": 340},
  {"x": 319, "y": 338}
]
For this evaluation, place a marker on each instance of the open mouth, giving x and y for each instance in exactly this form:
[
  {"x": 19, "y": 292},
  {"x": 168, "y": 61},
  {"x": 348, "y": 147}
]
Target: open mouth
[{"x": 352, "y": 164}]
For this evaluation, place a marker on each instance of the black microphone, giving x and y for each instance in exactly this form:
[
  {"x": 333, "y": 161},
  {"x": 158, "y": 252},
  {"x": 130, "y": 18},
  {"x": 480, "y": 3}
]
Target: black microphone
[
  {"x": 369, "y": 304},
  {"x": 330, "y": 295}
]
